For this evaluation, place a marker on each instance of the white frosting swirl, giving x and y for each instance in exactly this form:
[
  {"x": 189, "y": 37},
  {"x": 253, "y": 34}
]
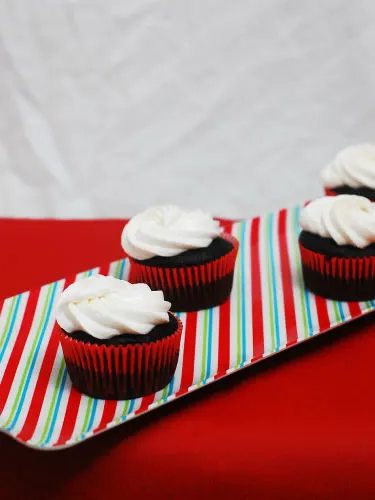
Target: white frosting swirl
[
  {"x": 104, "y": 307},
  {"x": 166, "y": 231},
  {"x": 347, "y": 219},
  {"x": 353, "y": 166}
]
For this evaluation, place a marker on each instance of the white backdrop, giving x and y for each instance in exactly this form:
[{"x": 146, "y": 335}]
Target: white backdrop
[{"x": 228, "y": 105}]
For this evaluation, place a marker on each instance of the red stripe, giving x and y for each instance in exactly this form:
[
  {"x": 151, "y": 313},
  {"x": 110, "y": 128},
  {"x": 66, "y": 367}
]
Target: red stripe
[
  {"x": 187, "y": 376},
  {"x": 41, "y": 386},
  {"x": 256, "y": 292},
  {"x": 354, "y": 309},
  {"x": 109, "y": 411},
  {"x": 287, "y": 281},
  {"x": 70, "y": 417},
  {"x": 18, "y": 348},
  {"x": 224, "y": 327},
  {"x": 146, "y": 401}
]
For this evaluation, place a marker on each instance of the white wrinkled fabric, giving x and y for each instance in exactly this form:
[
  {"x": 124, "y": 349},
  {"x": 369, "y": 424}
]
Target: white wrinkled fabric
[{"x": 233, "y": 107}]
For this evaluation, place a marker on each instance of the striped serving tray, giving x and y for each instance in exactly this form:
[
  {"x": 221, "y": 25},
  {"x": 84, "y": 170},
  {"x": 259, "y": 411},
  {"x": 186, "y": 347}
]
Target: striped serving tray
[{"x": 269, "y": 311}]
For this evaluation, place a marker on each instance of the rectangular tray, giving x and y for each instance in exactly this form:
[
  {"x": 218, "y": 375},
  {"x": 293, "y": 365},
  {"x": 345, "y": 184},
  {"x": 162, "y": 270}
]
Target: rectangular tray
[{"x": 268, "y": 312}]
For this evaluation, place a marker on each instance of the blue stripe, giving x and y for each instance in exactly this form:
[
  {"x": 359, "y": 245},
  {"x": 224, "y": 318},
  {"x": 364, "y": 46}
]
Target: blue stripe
[
  {"x": 341, "y": 311},
  {"x": 131, "y": 406},
  {"x": 209, "y": 344},
  {"x": 243, "y": 294},
  {"x": 34, "y": 358},
  {"x": 274, "y": 290},
  {"x": 89, "y": 273},
  {"x": 170, "y": 388},
  {"x": 306, "y": 293},
  {"x": 56, "y": 410},
  {"x": 122, "y": 267},
  {"x": 11, "y": 326}
]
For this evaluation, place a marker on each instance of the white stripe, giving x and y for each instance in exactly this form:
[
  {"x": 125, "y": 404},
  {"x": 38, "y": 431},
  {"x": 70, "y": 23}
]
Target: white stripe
[{"x": 234, "y": 304}]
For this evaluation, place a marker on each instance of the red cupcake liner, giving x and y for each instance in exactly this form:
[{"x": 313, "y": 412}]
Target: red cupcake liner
[
  {"x": 122, "y": 371},
  {"x": 192, "y": 287},
  {"x": 340, "y": 278}
]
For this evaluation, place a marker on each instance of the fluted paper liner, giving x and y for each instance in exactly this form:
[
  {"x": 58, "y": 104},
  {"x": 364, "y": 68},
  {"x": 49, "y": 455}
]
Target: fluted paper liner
[
  {"x": 123, "y": 371},
  {"x": 339, "y": 278},
  {"x": 191, "y": 288}
]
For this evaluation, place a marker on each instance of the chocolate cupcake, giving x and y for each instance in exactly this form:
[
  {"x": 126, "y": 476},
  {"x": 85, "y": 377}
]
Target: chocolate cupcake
[
  {"x": 183, "y": 253},
  {"x": 119, "y": 340},
  {"x": 337, "y": 245},
  {"x": 352, "y": 171}
]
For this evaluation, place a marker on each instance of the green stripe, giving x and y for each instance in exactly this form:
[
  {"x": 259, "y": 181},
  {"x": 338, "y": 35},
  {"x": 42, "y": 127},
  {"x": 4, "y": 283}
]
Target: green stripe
[
  {"x": 117, "y": 270},
  {"x": 31, "y": 353},
  {"x": 204, "y": 347},
  {"x": 126, "y": 407},
  {"x": 239, "y": 300},
  {"x": 337, "y": 312},
  {"x": 269, "y": 283},
  {"x": 299, "y": 275},
  {"x": 6, "y": 327},
  {"x": 53, "y": 402},
  {"x": 124, "y": 411},
  {"x": 164, "y": 395},
  {"x": 87, "y": 415}
]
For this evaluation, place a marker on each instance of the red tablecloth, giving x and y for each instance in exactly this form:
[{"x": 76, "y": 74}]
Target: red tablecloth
[{"x": 301, "y": 425}]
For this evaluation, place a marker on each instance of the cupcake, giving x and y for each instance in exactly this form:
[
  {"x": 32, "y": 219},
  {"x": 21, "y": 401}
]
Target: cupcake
[
  {"x": 352, "y": 171},
  {"x": 183, "y": 253},
  {"x": 119, "y": 340},
  {"x": 337, "y": 245}
]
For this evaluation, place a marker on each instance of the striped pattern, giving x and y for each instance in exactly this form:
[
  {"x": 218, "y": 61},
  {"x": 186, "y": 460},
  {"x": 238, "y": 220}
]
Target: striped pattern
[{"x": 269, "y": 310}]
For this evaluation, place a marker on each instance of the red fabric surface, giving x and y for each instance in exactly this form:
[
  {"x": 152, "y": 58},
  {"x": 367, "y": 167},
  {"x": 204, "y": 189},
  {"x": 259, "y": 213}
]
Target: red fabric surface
[{"x": 298, "y": 426}]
